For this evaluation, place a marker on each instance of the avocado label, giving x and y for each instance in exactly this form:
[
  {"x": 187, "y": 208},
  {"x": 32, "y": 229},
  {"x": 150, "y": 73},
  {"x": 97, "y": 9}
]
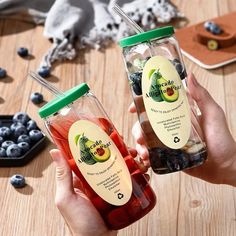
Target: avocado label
[
  {"x": 166, "y": 102},
  {"x": 100, "y": 162}
]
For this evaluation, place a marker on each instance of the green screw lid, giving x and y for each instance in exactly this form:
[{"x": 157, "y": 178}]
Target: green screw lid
[
  {"x": 146, "y": 36},
  {"x": 60, "y": 102}
]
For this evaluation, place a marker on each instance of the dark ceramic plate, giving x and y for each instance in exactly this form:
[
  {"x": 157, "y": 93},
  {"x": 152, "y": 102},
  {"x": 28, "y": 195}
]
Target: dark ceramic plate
[{"x": 6, "y": 120}]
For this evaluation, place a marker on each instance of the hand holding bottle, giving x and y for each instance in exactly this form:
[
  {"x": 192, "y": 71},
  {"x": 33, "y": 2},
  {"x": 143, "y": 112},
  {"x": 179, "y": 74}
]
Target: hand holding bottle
[
  {"x": 79, "y": 213},
  {"x": 220, "y": 168}
]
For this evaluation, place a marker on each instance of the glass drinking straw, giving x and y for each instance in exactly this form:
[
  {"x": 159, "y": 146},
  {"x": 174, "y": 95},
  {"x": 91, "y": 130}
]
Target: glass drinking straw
[
  {"x": 46, "y": 84},
  {"x": 131, "y": 23}
]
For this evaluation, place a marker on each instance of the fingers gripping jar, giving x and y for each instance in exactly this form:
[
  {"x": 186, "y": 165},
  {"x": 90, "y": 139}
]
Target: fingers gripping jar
[
  {"x": 97, "y": 154},
  {"x": 157, "y": 78}
]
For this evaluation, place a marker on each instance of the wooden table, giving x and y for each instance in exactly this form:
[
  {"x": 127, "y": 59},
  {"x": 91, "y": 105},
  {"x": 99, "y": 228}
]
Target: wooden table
[{"x": 186, "y": 205}]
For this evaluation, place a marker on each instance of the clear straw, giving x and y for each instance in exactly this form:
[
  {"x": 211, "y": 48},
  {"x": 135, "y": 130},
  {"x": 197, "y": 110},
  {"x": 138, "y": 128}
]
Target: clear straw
[
  {"x": 132, "y": 24},
  {"x": 46, "y": 84}
]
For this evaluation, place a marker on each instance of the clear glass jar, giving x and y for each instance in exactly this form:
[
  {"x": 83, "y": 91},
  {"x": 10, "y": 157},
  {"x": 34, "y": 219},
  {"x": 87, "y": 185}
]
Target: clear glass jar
[
  {"x": 97, "y": 154},
  {"x": 157, "y": 78}
]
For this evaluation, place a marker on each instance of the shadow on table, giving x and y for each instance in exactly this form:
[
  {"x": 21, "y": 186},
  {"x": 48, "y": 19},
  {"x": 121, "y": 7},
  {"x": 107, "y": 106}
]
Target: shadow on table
[
  {"x": 27, "y": 190},
  {"x": 2, "y": 100},
  {"x": 7, "y": 79},
  {"x": 10, "y": 26},
  {"x": 34, "y": 168}
]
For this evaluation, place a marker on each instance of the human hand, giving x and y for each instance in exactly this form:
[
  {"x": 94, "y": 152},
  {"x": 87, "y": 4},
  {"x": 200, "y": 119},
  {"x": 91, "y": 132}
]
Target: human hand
[
  {"x": 220, "y": 167},
  {"x": 79, "y": 213}
]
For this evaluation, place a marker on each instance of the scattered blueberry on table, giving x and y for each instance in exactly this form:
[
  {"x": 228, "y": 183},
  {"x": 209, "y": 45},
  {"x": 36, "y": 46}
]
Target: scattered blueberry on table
[
  {"x": 44, "y": 72},
  {"x": 23, "y": 52},
  {"x": 3, "y": 73},
  {"x": 36, "y": 98},
  {"x": 18, "y": 181}
]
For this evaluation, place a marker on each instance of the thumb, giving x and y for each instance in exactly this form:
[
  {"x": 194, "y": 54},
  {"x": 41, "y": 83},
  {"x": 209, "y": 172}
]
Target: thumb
[{"x": 64, "y": 182}]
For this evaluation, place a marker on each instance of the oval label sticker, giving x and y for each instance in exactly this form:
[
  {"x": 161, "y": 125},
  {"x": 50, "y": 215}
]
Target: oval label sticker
[
  {"x": 100, "y": 162},
  {"x": 166, "y": 102}
]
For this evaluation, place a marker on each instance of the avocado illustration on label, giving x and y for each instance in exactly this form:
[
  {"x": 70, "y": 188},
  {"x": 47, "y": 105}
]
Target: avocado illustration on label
[
  {"x": 167, "y": 90},
  {"x": 92, "y": 152},
  {"x": 85, "y": 155},
  {"x": 98, "y": 150},
  {"x": 154, "y": 91}
]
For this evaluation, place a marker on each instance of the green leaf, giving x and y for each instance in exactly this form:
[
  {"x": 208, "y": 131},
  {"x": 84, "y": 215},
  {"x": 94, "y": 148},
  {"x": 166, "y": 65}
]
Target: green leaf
[
  {"x": 77, "y": 139},
  {"x": 150, "y": 73}
]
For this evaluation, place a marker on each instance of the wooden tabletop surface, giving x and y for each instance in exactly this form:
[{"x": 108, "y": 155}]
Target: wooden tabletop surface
[{"x": 185, "y": 206}]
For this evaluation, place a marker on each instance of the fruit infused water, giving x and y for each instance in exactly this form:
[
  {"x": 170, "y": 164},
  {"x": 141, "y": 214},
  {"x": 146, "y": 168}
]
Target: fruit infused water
[
  {"x": 98, "y": 156},
  {"x": 166, "y": 113}
]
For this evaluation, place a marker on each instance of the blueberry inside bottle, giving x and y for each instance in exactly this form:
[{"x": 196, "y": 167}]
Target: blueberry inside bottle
[{"x": 167, "y": 116}]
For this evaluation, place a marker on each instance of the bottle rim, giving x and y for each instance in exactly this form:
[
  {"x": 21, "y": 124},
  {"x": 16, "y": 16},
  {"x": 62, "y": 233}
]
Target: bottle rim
[
  {"x": 146, "y": 36},
  {"x": 60, "y": 102}
]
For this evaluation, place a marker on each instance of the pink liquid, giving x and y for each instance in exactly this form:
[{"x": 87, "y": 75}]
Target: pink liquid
[{"x": 142, "y": 199}]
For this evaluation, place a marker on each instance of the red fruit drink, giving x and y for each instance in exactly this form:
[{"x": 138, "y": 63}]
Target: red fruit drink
[{"x": 99, "y": 158}]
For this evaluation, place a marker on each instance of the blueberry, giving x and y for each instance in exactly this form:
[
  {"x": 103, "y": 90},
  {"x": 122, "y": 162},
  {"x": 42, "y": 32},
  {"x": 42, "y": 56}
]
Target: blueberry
[
  {"x": 24, "y": 146},
  {"x": 23, "y": 138},
  {"x": 3, "y": 73},
  {"x": 21, "y": 117},
  {"x": 136, "y": 82},
  {"x": 44, "y": 72},
  {"x": 175, "y": 61},
  {"x": 137, "y": 89},
  {"x": 35, "y": 135},
  {"x": 31, "y": 124},
  {"x": 215, "y": 29},
  {"x": 13, "y": 151},
  {"x": 20, "y": 130},
  {"x": 36, "y": 98},
  {"x": 5, "y": 132},
  {"x": 18, "y": 181},
  {"x": 23, "y": 52},
  {"x": 7, "y": 143},
  {"x": 15, "y": 125},
  {"x": 179, "y": 68},
  {"x": 181, "y": 71},
  {"x": 2, "y": 152},
  {"x": 207, "y": 25},
  {"x": 1, "y": 140},
  {"x": 176, "y": 160}
]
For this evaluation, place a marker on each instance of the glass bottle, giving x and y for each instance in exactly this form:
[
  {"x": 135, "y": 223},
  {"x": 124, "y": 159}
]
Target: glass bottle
[
  {"x": 166, "y": 112},
  {"x": 97, "y": 154}
]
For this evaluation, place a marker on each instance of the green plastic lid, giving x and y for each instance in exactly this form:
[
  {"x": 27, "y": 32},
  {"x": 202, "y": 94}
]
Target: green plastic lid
[
  {"x": 146, "y": 36},
  {"x": 60, "y": 102}
]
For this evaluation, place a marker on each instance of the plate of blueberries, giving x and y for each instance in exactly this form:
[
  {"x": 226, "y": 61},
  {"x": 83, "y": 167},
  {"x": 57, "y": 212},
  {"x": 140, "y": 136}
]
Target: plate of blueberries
[{"x": 20, "y": 139}]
